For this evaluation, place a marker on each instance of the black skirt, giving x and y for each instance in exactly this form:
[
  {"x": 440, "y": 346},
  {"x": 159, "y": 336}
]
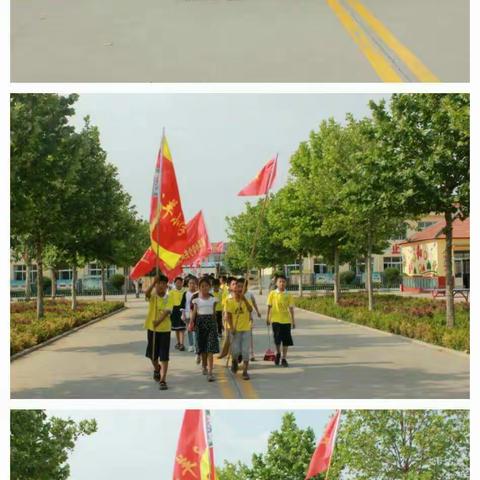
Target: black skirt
[
  {"x": 207, "y": 334},
  {"x": 176, "y": 317}
]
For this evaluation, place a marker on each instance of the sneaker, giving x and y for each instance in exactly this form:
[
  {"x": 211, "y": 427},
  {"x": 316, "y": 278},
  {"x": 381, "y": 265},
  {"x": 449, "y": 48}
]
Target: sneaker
[
  {"x": 284, "y": 362},
  {"x": 245, "y": 376},
  {"x": 156, "y": 375},
  {"x": 204, "y": 371},
  {"x": 163, "y": 386},
  {"x": 210, "y": 377},
  {"x": 181, "y": 348},
  {"x": 190, "y": 349},
  {"x": 277, "y": 359},
  {"x": 234, "y": 366},
  {"x": 198, "y": 359},
  {"x": 177, "y": 346}
]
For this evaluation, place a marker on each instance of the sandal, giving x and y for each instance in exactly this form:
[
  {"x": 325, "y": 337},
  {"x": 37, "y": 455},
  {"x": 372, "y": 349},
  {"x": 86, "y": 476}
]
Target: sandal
[
  {"x": 245, "y": 376},
  {"x": 156, "y": 375},
  {"x": 210, "y": 377},
  {"x": 163, "y": 386},
  {"x": 204, "y": 371}
]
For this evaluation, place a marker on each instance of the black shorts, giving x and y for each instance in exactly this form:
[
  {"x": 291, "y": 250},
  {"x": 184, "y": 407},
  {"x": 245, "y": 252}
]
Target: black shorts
[
  {"x": 219, "y": 318},
  {"x": 282, "y": 334},
  {"x": 162, "y": 346}
]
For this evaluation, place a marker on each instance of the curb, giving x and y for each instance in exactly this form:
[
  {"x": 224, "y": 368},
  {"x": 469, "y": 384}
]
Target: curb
[
  {"x": 412, "y": 340},
  {"x": 17, "y": 355}
]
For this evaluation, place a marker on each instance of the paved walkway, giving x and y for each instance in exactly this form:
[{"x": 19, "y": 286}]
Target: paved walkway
[
  {"x": 331, "y": 359},
  {"x": 239, "y": 40}
]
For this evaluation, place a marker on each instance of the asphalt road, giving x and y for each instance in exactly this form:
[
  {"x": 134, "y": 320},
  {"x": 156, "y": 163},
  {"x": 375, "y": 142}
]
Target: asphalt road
[
  {"x": 239, "y": 40},
  {"x": 331, "y": 359}
]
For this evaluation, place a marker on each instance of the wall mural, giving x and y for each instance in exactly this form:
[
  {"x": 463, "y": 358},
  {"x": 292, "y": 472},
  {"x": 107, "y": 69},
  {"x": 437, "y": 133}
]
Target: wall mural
[{"x": 420, "y": 259}]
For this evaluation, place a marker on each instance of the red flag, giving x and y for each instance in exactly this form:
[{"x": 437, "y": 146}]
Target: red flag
[
  {"x": 168, "y": 231},
  {"x": 263, "y": 182},
  {"x": 198, "y": 247},
  {"x": 192, "y": 460},
  {"x": 218, "y": 247},
  {"x": 322, "y": 456}
]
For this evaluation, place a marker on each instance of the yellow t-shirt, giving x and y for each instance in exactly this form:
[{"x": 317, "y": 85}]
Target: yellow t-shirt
[
  {"x": 161, "y": 304},
  {"x": 218, "y": 297},
  {"x": 280, "y": 303},
  {"x": 225, "y": 295},
  {"x": 240, "y": 314},
  {"x": 176, "y": 296}
]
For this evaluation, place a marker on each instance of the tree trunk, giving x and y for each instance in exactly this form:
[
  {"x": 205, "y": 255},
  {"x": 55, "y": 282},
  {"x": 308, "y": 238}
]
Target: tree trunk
[
  {"x": 125, "y": 286},
  {"x": 260, "y": 287},
  {"x": 40, "y": 309},
  {"x": 449, "y": 281},
  {"x": 336, "y": 283},
  {"x": 74, "y": 287},
  {"x": 368, "y": 271},
  {"x": 102, "y": 282},
  {"x": 28, "y": 286},
  {"x": 54, "y": 283},
  {"x": 300, "y": 278}
]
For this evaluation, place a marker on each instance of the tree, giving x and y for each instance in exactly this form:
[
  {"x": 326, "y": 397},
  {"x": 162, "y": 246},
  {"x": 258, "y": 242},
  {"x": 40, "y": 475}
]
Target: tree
[
  {"x": 40, "y": 445},
  {"x": 429, "y": 137},
  {"x": 39, "y": 173},
  {"x": 402, "y": 444}
]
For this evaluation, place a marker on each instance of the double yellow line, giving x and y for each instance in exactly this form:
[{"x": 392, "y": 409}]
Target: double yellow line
[{"x": 382, "y": 65}]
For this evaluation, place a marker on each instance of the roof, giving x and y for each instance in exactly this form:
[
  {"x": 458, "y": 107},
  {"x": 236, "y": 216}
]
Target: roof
[{"x": 461, "y": 229}]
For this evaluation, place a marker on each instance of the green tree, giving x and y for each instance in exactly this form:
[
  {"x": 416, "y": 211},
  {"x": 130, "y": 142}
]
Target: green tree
[
  {"x": 428, "y": 135},
  {"x": 39, "y": 173},
  {"x": 40, "y": 445},
  {"x": 402, "y": 444}
]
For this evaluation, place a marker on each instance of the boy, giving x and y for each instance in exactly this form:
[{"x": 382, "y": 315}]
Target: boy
[
  {"x": 158, "y": 325},
  {"x": 238, "y": 311},
  {"x": 217, "y": 293},
  {"x": 178, "y": 325},
  {"x": 280, "y": 313}
]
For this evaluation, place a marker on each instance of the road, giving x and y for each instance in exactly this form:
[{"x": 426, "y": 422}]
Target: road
[
  {"x": 239, "y": 40},
  {"x": 331, "y": 359}
]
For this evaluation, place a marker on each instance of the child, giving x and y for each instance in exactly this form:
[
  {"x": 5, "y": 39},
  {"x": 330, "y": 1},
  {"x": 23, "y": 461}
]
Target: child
[
  {"x": 251, "y": 298},
  {"x": 185, "y": 308},
  {"x": 217, "y": 293},
  {"x": 178, "y": 325},
  {"x": 238, "y": 311},
  {"x": 227, "y": 293},
  {"x": 203, "y": 317},
  {"x": 280, "y": 313},
  {"x": 158, "y": 326}
]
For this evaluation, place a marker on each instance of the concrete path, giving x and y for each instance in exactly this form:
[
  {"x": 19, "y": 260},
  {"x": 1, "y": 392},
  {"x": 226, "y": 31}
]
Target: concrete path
[
  {"x": 331, "y": 359},
  {"x": 239, "y": 40}
]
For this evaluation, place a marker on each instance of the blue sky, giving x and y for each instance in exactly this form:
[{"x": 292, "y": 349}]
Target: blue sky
[
  {"x": 218, "y": 141},
  {"x": 141, "y": 444}
]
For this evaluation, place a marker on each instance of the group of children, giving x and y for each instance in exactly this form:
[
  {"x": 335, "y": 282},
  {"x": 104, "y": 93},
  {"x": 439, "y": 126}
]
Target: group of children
[{"x": 205, "y": 309}]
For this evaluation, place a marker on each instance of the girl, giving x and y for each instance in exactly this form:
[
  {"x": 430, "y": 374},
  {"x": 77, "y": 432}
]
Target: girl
[
  {"x": 203, "y": 318},
  {"x": 185, "y": 308},
  {"x": 178, "y": 325}
]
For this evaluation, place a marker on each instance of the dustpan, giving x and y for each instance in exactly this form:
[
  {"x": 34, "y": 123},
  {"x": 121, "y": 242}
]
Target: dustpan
[{"x": 269, "y": 353}]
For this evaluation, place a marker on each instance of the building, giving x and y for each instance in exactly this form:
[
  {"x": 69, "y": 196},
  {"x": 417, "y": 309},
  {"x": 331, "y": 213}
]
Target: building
[{"x": 423, "y": 257}]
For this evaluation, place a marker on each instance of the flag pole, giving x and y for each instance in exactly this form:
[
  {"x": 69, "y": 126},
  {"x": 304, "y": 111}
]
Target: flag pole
[
  {"x": 334, "y": 440},
  {"x": 157, "y": 216}
]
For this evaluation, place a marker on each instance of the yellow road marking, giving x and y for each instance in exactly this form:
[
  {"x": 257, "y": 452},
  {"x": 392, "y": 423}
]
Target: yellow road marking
[
  {"x": 248, "y": 389},
  {"x": 379, "y": 62},
  {"x": 408, "y": 58},
  {"x": 223, "y": 382}
]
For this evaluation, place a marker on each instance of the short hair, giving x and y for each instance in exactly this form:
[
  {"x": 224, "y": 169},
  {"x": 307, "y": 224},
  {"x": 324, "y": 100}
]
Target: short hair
[
  {"x": 193, "y": 278},
  {"x": 240, "y": 280},
  {"x": 216, "y": 282},
  {"x": 223, "y": 277},
  {"x": 231, "y": 279},
  {"x": 281, "y": 276},
  {"x": 205, "y": 280},
  {"x": 163, "y": 278},
  {"x": 178, "y": 278}
]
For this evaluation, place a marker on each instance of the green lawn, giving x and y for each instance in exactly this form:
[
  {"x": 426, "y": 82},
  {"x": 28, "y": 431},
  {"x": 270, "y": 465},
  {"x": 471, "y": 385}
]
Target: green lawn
[
  {"x": 26, "y": 331},
  {"x": 418, "y": 318}
]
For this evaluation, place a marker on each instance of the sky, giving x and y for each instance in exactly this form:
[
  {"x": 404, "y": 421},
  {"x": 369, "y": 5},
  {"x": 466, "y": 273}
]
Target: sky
[
  {"x": 141, "y": 444},
  {"x": 219, "y": 142}
]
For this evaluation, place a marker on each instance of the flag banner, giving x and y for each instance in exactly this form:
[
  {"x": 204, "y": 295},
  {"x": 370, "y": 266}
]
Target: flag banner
[
  {"x": 168, "y": 231},
  {"x": 322, "y": 456},
  {"x": 218, "y": 247},
  {"x": 208, "y": 426},
  {"x": 263, "y": 182},
  {"x": 197, "y": 248},
  {"x": 192, "y": 460}
]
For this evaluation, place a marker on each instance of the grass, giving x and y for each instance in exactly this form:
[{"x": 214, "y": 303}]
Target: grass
[
  {"x": 418, "y": 318},
  {"x": 26, "y": 331}
]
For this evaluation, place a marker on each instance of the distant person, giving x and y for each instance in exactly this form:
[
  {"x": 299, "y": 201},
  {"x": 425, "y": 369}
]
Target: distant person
[
  {"x": 178, "y": 325},
  {"x": 217, "y": 293},
  {"x": 238, "y": 311},
  {"x": 251, "y": 298},
  {"x": 203, "y": 318},
  {"x": 280, "y": 314},
  {"x": 158, "y": 325},
  {"x": 186, "y": 307},
  {"x": 139, "y": 287}
]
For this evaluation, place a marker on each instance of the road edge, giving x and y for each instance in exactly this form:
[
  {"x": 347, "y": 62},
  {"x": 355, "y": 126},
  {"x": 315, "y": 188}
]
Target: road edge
[{"x": 18, "y": 355}]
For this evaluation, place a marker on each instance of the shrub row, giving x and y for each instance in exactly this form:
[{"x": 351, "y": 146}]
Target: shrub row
[
  {"x": 420, "y": 318},
  {"x": 26, "y": 331}
]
